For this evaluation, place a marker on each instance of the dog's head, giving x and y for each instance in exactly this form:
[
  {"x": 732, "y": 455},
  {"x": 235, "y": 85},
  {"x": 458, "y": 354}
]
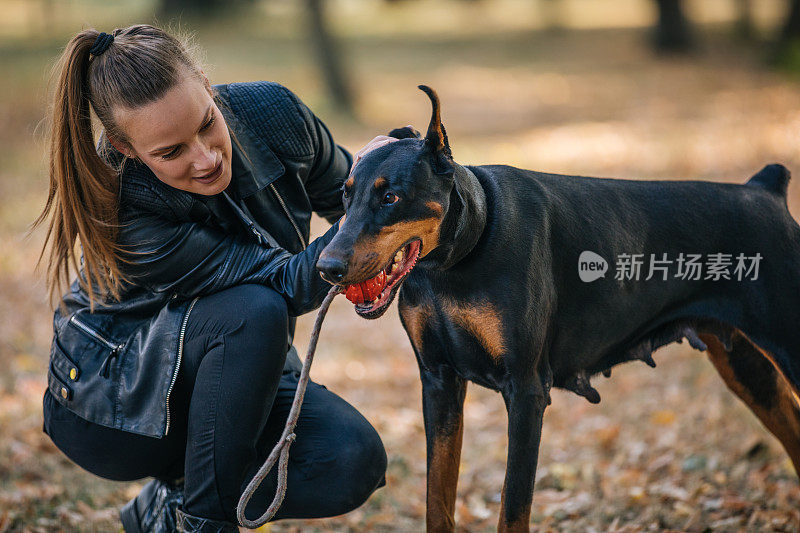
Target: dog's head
[{"x": 395, "y": 200}]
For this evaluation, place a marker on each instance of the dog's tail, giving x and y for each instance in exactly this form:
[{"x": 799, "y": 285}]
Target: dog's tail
[{"x": 774, "y": 178}]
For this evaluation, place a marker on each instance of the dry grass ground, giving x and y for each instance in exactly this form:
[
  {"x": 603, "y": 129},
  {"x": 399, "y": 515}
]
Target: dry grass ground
[{"x": 667, "y": 449}]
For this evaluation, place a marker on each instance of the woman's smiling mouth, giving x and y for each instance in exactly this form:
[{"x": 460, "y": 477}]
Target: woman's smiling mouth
[{"x": 210, "y": 178}]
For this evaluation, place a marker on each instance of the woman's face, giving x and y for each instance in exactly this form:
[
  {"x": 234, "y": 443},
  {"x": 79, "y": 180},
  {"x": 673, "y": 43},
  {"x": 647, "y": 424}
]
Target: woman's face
[{"x": 182, "y": 137}]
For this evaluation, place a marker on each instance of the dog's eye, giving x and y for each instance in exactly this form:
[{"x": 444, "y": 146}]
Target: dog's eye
[{"x": 389, "y": 198}]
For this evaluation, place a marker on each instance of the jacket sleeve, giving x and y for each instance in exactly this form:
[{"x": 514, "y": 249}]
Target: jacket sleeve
[
  {"x": 189, "y": 259},
  {"x": 330, "y": 167}
]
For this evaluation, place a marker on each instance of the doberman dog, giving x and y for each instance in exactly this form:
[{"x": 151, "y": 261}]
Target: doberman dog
[{"x": 504, "y": 284}]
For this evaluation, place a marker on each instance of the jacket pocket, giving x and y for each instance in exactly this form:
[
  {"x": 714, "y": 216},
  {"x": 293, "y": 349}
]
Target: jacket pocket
[
  {"x": 64, "y": 364},
  {"x": 90, "y": 331},
  {"x": 73, "y": 378},
  {"x": 62, "y": 372}
]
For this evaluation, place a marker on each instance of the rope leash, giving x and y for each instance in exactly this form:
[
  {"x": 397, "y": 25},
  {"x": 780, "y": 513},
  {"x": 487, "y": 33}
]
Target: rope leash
[{"x": 281, "y": 449}]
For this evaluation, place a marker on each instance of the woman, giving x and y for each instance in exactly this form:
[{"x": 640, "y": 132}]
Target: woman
[{"x": 172, "y": 354}]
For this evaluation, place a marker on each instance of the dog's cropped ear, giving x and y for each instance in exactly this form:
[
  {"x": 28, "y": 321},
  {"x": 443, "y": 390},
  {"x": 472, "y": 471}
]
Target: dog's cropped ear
[
  {"x": 436, "y": 138},
  {"x": 407, "y": 132}
]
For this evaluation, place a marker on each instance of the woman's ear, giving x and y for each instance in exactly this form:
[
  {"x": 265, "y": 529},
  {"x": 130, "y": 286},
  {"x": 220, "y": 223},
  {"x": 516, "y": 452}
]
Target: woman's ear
[
  {"x": 121, "y": 147},
  {"x": 206, "y": 83}
]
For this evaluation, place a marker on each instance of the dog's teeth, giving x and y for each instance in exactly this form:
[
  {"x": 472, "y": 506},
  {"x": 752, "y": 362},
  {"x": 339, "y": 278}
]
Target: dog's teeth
[
  {"x": 398, "y": 256},
  {"x": 395, "y": 268}
]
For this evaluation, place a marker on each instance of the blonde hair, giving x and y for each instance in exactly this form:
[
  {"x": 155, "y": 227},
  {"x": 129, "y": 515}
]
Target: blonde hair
[{"x": 141, "y": 64}]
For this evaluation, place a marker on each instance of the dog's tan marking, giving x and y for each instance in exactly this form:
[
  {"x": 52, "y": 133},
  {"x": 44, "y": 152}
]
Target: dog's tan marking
[
  {"x": 426, "y": 229},
  {"x": 443, "y": 463},
  {"x": 436, "y": 207},
  {"x": 415, "y": 318},
  {"x": 782, "y": 418},
  {"x": 389, "y": 239},
  {"x": 380, "y": 182},
  {"x": 481, "y": 320},
  {"x": 520, "y": 525}
]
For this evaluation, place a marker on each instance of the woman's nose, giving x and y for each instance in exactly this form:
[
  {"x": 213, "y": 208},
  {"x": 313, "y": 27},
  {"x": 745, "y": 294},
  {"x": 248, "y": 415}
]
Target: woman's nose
[{"x": 205, "y": 159}]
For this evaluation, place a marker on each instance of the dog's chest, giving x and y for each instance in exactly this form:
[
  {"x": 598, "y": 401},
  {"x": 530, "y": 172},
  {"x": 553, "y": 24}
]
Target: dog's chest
[{"x": 468, "y": 336}]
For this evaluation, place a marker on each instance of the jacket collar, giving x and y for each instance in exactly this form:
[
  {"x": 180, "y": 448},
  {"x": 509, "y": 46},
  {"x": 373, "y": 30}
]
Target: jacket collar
[{"x": 263, "y": 166}]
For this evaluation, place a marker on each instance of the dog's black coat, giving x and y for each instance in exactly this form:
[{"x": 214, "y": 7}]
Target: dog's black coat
[{"x": 508, "y": 247}]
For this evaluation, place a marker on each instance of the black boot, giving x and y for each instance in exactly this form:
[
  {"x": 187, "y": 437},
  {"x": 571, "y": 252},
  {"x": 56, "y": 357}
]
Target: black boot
[
  {"x": 153, "y": 510},
  {"x": 194, "y": 524}
]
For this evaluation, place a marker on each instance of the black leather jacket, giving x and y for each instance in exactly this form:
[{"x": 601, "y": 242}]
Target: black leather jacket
[{"x": 117, "y": 366}]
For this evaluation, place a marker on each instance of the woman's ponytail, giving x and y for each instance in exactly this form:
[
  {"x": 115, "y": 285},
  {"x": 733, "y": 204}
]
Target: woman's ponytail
[
  {"x": 132, "y": 67},
  {"x": 83, "y": 192}
]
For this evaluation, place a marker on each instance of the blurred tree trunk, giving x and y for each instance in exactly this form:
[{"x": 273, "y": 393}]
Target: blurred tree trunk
[
  {"x": 785, "y": 51},
  {"x": 174, "y": 7},
  {"x": 791, "y": 28},
  {"x": 744, "y": 20},
  {"x": 48, "y": 17},
  {"x": 197, "y": 7},
  {"x": 329, "y": 57},
  {"x": 672, "y": 33},
  {"x": 553, "y": 14}
]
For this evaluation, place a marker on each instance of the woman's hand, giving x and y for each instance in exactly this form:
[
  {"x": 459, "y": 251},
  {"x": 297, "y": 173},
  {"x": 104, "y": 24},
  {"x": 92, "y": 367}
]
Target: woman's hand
[{"x": 377, "y": 142}]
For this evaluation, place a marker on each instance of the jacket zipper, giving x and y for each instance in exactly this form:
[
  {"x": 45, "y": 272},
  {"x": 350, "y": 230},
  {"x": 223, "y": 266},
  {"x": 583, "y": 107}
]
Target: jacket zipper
[
  {"x": 94, "y": 334},
  {"x": 289, "y": 215},
  {"x": 180, "y": 355}
]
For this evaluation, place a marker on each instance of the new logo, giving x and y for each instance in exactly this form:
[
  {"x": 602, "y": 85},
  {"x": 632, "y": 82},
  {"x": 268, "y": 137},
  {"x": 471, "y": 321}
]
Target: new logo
[{"x": 591, "y": 266}]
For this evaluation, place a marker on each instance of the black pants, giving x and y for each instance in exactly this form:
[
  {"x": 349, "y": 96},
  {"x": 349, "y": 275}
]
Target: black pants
[{"x": 228, "y": 409}]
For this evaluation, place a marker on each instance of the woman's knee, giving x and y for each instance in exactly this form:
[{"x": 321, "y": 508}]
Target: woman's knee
[
  {"x": 337, "y": 461},
  {"x": 366, "y": 466},
  {"x": 252, "y": 306},
  {"x": 260, "y": 308},
  {"x": 360, "y": 465},
  {"x": 265, "y": 309}
]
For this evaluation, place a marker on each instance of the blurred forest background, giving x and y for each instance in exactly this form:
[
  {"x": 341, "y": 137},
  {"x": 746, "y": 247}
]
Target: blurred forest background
[{"x": 591, "y": 87}]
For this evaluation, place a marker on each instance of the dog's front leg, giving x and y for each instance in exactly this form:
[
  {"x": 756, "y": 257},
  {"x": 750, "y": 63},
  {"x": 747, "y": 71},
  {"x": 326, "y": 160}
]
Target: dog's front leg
[
  {"x": 443, "y": 410},
  {"x": 525, "y": 405}
]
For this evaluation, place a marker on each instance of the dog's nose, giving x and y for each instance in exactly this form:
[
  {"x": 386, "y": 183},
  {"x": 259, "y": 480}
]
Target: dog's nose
[{"x": 332, "y": 269}]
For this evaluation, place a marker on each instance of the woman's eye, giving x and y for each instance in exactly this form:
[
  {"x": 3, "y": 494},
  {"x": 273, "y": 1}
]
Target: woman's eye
[
  {"x": 389, "y": 198},
  {"x": 208, "y": 124},
  {"x": 172, "y": 153}
]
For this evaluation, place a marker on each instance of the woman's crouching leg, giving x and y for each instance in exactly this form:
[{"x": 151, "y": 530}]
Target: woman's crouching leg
[
  {"x": 336, "y": 463},
  {"x": 235, "y": 347}
]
